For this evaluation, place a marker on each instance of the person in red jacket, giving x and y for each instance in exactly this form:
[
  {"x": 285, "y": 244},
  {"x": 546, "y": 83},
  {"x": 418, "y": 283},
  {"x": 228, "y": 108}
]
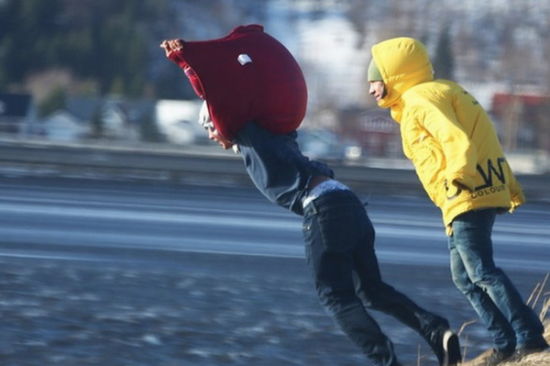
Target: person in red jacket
[
  {"x": 255, "y": 98},
  {"x": 245, "y": 76}
]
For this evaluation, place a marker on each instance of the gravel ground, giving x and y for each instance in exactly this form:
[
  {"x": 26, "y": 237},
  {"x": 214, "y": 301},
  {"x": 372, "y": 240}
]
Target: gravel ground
[{"x": 197, "y": 309}]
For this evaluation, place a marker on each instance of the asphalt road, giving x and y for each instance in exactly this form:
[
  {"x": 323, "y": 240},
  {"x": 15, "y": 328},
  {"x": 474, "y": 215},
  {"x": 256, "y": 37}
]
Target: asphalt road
[{"x": 119, "y": 273}]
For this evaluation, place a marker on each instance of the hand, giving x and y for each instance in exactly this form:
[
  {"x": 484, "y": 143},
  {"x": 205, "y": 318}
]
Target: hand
[{"x": 172, "y": 45}]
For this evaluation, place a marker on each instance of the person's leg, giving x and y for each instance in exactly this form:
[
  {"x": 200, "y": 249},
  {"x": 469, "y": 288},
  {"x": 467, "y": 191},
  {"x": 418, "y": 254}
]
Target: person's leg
[
  {"x": 502, "y": 333},
  {"x": 378, "y": 295},
  {"x": 472, "y": 243},
  {"x": 330, "y": 236}
]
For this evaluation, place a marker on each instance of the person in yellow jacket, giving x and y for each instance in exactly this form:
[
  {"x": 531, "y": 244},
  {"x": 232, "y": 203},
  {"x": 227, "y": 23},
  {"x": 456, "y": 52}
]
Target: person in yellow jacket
[{"x": 458, "y": 158}]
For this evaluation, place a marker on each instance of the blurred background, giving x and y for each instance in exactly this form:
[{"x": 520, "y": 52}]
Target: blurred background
[
  {"x": 128, "y": 238},
  {"x": 92, "y": 70}
]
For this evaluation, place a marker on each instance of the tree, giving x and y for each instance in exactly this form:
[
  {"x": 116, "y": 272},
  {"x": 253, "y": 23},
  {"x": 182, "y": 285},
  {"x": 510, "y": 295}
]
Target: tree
[
  {"x": 28, "y": 37},
  {"x": 53, "y": 102},
  {"x": 444, "y": 60},
  {"x": 106, "y": 41},
  {"x": 149, "y": 130},
  {"x": 98, "y": 125}
]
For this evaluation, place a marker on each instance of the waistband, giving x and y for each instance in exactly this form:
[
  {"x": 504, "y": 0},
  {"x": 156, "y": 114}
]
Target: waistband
[{"x": 322, "y": 188}]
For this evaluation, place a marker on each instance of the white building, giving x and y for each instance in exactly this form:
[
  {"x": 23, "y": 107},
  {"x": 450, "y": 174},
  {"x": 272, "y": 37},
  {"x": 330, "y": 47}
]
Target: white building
[
  {"x": 177, "y": 120},
  {"x": 63, "y": 126}
]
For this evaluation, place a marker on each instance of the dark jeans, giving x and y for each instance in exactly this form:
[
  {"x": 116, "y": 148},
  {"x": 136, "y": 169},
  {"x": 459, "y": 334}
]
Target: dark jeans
[
  {"x": 489, "y": 290},
  {"x": 339, "y": 241}
]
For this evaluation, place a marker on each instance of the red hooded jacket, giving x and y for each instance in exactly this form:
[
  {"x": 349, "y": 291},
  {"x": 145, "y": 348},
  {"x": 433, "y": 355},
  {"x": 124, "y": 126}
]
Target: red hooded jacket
[{"x": 246, "y": 76}]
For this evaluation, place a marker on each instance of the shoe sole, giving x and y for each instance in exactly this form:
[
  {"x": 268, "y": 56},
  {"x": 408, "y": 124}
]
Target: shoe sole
[
  {"x": 451, "y": 346},
  {"x": 520, "y": 356}
]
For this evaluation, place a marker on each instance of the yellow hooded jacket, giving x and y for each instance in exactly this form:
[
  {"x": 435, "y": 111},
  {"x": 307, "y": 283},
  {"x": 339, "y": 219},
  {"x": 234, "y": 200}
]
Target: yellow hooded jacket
[{"x": 447, "y": 135}]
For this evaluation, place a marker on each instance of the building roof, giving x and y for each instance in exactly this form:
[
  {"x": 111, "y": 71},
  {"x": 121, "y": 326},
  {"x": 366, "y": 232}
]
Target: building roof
[
  {"x": 14, "y": 105},
  {"x": 503, "y": 99}
]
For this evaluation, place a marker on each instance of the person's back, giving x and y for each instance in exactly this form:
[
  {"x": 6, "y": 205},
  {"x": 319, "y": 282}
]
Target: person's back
[
  {"x": 450, "y": 97},
  {"x": 448, "y": 121},
  {"x": 277, "y": 167}
]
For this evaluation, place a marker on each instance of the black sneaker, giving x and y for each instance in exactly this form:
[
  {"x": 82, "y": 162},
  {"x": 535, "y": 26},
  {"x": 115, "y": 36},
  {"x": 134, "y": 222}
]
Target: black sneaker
[
  {"x": 451, "y": 348},
  {"x": 498, "y": 357},
  {"x": 446, "y": 347},
  {"x": 528, "y": 350}
]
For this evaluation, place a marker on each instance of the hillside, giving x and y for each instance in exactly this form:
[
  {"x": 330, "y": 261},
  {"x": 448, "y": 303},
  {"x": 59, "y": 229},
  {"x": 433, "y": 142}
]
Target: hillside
[
  {"x": 483, "y": 42},
  {"x": 539, "y": 359}
]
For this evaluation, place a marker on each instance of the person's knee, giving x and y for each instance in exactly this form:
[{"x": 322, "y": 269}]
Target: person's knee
[
  {"x": 488, "y": 277},
  {"x": 463, "y": 283},
  {"x": 336, "y": 298},
  {"x": 377, "y": 296}
]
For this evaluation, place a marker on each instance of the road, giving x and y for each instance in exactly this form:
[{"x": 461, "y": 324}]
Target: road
[{"x": 126, "y": 273}]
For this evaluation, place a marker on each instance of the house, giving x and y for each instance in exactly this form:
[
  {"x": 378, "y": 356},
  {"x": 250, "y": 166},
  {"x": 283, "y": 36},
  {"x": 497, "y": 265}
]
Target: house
[
  {"x": 17, "y": 113},
  {"x": 105, "y": 117},
  {"x": 125, "y": 119},
  {"x": 375, "y": 131},
  {"x": 93, "y": 117},
  {"x": 177, "y": 120},
  {"x": 64, "y": 126},
  {"x": 522, "y": 120}
]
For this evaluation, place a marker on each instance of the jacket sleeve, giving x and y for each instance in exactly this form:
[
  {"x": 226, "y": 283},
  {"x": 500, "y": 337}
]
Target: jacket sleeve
[
  {"x": 516, "y": 193},
  {"x": 460, "y": 154}
]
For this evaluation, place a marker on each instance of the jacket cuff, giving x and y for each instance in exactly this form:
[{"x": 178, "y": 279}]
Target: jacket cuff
[
  {"x": 517, "y": 200},
  {"x": 177, "y": 58}
]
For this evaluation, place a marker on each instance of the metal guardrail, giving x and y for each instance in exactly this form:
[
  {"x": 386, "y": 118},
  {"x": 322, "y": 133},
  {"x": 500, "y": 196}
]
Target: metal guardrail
[{"x": 189, "y": 166}]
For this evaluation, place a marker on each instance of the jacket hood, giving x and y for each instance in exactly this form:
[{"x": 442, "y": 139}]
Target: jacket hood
[{"x": 403, "y": 63}]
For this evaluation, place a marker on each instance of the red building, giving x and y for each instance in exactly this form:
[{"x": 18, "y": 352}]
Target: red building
[
  {"x": 374, "y": 129},
  {"x": 522, "y": 120}
]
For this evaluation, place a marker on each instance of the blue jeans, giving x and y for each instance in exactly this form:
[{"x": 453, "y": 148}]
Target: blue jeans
[
  {"x": 497, "y": 302},
  {"x": 339, "y": 241}
]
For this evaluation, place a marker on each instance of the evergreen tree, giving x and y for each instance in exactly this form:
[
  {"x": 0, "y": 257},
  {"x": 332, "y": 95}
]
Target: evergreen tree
[
  {"x": 102, "y": 40},
  {"x": 149, "y": 130},
  {"x": 28, "y": 37},
  {"x": 444, "y": 60},
  {"x": 56, "y": 100},
  {"x": 98, "y": 125}
]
